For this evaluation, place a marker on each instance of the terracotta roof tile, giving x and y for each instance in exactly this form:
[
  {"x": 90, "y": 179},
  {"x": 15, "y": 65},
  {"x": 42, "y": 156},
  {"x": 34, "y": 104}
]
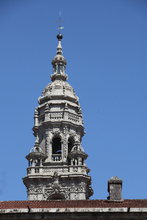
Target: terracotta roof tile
[{"x": 134, "y": 203}]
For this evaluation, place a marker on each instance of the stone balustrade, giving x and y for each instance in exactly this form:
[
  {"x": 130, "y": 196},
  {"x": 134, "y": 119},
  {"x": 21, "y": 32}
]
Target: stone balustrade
[
  {"x": 66, "y": 170},
  {"x": 55, "y": 116},
  {"x": 56, "y": 157}
]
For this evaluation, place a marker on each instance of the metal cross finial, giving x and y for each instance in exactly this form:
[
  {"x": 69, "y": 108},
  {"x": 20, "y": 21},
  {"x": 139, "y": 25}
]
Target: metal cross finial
[{"x": 60, "y": 21}]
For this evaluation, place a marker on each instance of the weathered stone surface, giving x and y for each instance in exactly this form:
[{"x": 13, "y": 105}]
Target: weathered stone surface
[
  {"x": 57, "y": 168},
  {"x": 115, "y": 189}
]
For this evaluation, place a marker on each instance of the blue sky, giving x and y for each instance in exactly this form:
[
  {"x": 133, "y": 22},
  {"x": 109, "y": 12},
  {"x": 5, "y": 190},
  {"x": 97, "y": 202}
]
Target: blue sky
[{"x": 106, "y": 49}]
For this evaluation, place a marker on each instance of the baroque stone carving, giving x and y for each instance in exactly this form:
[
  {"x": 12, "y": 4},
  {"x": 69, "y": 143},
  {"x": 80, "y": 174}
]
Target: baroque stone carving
[{"x": 58, "y": 171}]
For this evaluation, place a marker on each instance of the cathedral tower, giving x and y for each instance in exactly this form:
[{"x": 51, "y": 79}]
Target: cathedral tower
[{"x": 56, "y": 164}]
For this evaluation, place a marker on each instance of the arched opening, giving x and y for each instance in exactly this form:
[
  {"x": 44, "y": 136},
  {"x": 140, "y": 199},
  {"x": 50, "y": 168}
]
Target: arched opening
[
  {"x": 56, "y": 145},
  {"x": 56, "y": 149},
  {"x": 70, "y": 144},
  {"x": 56, "y": 197}
]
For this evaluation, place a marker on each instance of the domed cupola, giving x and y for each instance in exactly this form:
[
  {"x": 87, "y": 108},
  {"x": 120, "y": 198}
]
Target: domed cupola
[
  {"x": 59, "y": 88},
  {"x": 36, "y": 153},
  {"x": 77, "y": 155},
  {"x": 35, "y": 159}
]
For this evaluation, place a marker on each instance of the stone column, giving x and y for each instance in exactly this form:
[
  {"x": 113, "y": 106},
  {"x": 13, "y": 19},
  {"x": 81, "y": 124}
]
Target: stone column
[
  {"x": 36, "y": 118},
  {"x": 48, "y": 145},
  {"x": 47, "y": 111}
]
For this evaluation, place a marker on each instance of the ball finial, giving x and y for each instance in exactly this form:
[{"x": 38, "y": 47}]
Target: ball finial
[{"x": 59, "y": 36}]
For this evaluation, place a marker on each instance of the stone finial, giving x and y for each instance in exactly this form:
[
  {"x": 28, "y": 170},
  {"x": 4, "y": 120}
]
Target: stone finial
[
  {"x": 59, "y": 47},
  {"x": 59, "y": 63},
  {"x": 115, "y": 189}
]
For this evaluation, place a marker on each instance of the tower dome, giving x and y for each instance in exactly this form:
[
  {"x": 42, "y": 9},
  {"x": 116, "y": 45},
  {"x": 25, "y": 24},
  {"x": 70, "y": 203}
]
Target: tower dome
[
  {"x": 61, "y": 172},
  {"x": 58, "y": 89}
]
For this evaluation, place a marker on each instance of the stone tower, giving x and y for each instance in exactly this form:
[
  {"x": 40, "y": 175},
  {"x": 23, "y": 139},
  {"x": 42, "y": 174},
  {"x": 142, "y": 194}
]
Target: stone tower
[{"x": 56, "y": 164}]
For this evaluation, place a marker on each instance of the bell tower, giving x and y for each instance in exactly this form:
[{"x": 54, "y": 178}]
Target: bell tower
[{"x": 56, "y": 164}]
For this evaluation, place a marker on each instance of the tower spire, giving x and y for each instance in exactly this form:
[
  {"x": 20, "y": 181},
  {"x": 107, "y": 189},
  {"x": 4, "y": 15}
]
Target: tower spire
[
  {"x": 56, "y": 166},
  {"x": 60, "y": 36},
  {"x": 59, "y": 62}
]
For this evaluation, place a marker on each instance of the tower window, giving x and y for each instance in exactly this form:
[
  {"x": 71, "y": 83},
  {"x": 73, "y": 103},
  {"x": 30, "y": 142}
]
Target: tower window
[{"x": 56, "y": 145}]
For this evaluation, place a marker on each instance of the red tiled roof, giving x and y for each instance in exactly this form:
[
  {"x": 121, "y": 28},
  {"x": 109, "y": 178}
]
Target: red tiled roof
[{"x": 134, "y": 203}]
